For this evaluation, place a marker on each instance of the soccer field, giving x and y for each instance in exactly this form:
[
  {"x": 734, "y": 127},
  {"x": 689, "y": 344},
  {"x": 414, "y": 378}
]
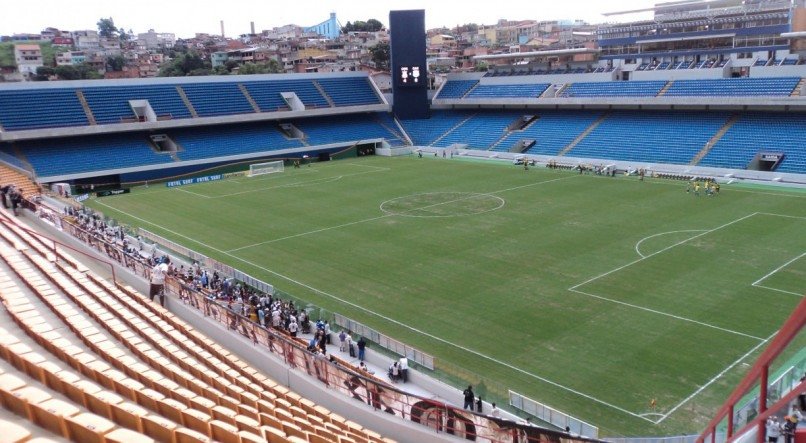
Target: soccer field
[{"x": 590, "y": 294}]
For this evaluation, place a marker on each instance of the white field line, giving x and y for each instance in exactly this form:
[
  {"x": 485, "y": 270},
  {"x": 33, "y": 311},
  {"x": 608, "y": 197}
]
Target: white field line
[
  {"x": 662, "y": 250},
  {"x": 299, "y": 183},
  {"x": 272, "y": 176},
  {"x": 717, "y": 377},
  {"x": 387, "y": 215},
  {"x": 179, "y": 188},
  {"x": 783, "y": 291},
  {"x": 666, "y": 314},
  {"x": 638, "y": 245},
  {"x": 769, "y": 274},
  {"x": 782, "y": 215}
]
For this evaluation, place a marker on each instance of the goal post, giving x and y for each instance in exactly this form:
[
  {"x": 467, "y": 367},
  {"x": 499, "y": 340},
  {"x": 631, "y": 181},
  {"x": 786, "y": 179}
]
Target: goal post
[{"x": 256, "y": 169}]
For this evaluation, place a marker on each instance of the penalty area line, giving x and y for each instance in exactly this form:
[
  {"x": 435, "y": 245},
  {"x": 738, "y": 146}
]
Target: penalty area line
[{"x": 381, "y": 316}]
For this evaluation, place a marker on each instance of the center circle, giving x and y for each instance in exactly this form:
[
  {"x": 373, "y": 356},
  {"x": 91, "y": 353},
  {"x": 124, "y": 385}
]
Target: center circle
[{"x": 442, "y": 204}]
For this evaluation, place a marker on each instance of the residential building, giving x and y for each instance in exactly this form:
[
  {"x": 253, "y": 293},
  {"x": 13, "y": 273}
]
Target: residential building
[{"x": 28, "y": 58}]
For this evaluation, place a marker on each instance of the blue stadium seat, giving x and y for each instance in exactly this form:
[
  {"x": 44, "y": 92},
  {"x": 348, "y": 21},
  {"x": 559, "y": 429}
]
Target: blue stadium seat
[
  {"x": 110, "y": 104},
  {"x": 755, "y": 86},
  {"x": 508, "y": 91},
  {"x": 480, "y": 131},
  {"x": 457, "y": 88},
  {"x": 653, "y": 137},
  {"x": 552, "y": 131},
  {"x": 345, "y": 128},
  {"x": 754, "y": 132},
  {"x": 211, "y": 99},
  {"x": 425, "y": 131},
  {"x": 43, "y": 108},
  {"x": 52, "y": 157},
  {"x": 267, "y": 94},
  {"x": 350, "y": 91},
  {"x": 220, "y": 141},
  {"x": 614, "y": 89}
]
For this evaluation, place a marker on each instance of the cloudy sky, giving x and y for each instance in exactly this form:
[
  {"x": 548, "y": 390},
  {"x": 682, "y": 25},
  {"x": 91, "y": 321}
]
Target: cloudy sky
[{"x": 186, "y": 17}]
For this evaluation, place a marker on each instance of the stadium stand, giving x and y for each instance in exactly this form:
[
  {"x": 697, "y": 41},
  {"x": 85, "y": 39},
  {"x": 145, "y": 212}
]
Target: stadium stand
[
  {"x": 122, "y": 366},
  {"x": 51, "y": 157},
  {"x": 425, "y": 132},
  {"x": 267, "y": 94},
  {"x": 219, "y": 141},
  {"x": 552, "y": 131},
  {"x": 337, "y": 129},
  {"x": 456, "y": 88},
  {"x": 614, "y": 89},
  {"x": 754, "y": 132},
  {"x": 480, "y": 131},
  {"x": 778, "y": 86},
  {"x": 657, "y": 137},
  {"x": 531, "y": 90},
  {"x": 350, "y": 91},
  {"x": 212, "y": 99},
  {"x": 110, "y": 104},
  {"x": 37, "y": 109}
]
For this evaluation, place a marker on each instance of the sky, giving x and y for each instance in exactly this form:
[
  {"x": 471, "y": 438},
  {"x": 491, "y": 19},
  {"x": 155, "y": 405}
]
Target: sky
[{"x": 187, "y": 17}]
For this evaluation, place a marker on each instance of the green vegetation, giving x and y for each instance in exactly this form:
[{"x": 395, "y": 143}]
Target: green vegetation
[
  {"x": 49, "y": 51},
  {"x": 371, "y": 25},
  {"x": 593, "y": 295}
]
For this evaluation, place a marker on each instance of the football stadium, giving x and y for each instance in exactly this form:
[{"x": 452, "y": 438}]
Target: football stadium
[{"x": 577, "y": 245}]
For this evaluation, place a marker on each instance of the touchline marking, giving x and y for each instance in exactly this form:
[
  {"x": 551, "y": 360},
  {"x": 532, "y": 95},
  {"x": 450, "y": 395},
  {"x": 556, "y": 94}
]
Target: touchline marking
[
  {"x": 391, "y": 320},
  {"x": 717, "y": 377},
  {"x": 708, "y": 325},
  {"x": 179, "y": 188},
  {"x": 782, "y": 215},
  {"x": 387, "y": 215},
  {"x": 638, "y": 245},
  {"x": 755, "y": 283},
  {"x": 299, "y": 183},
  {"x": 662, "y": 250}
]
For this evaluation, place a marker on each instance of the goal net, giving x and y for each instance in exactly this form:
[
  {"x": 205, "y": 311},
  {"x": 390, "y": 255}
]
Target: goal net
[{"x": 265, "y": 168}]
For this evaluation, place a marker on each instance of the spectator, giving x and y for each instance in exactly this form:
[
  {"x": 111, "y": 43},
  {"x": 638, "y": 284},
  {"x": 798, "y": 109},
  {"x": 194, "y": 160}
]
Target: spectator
[
  {"x": 469, "y": 397},
  {"x": 495, "y": 412},
  {"x": 362, "y": 347},
  {"x": 158, "y": 273},
  {"x": 404, "y": 369},
  {"x": 773, "y": 430},
  {"x": 479, "y": 404},
  {"x": 342, "y": 341}
]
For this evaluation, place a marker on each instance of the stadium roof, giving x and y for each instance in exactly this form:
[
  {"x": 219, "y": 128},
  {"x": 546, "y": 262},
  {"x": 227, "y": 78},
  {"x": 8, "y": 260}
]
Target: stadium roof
[{"x": 537, "y": 53}]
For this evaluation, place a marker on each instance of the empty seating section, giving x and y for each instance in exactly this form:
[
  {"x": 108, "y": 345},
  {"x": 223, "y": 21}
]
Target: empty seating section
[
  {"x": 211, "y": 99},
  {"x": 110, "y": 104},
  {"x": 552, "y": 131},
  {"x": 754, "y": 132},
  {"x": 52, "y": 157},
  {"x": 267, "y": 94},
  {"x": 481, "y": 131},
  {"x": 653, "y": 137},
  {"x": 221, "y": 141},
  {"x": 388, "y": 121},
  {"x": 778, "y": 86},
  {"x": 456, "y": 88},
  {"x": 615, "y": 89},
  {"x": 508, "y": 91},
  {"x": 339, "y": 129},
  {"x": 350, "y": 91},
  {"x": 42, "y": 108},
  {"x": 91, "y": 361},
  {"x": 426, "y": 131}
]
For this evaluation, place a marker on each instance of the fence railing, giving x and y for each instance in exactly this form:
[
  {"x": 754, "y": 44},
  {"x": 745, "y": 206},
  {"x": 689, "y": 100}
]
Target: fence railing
[
  {"x": 339, "y": 376},
  {"x": 385, "y": 341},
  {"x": 553, "y": 416}
]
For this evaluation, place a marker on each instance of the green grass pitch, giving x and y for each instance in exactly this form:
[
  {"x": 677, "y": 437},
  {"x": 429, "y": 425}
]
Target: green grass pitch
[{"x": 590, "y": 294}]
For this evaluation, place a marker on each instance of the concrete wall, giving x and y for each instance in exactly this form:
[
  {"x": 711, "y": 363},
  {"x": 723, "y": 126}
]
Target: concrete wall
[
  {"x": 680, "y": 74},
  {"x": 778, "y": 71}
]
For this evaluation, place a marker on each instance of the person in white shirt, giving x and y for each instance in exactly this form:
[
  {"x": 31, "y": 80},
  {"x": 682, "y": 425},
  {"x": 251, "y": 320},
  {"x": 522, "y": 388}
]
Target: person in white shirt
[
  {"x": 292, "y": 327},
  {"x": 158, "y": 274},
  {"x": 495, "y": 411}
]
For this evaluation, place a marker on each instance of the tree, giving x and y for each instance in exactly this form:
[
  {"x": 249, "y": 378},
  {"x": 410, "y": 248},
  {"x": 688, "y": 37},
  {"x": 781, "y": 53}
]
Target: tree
[
  {"x": 374, "y": 25},
  {"x": 125, "y": 36},
  {"x": 115, "y": 63},
  {"x": 43, "y": 73},
  {"x": 186, "y": 64},
  {"x": 270, "y": 67},
  {"x": 380, "y": 55},
  {"x": 107, "y": 28}
]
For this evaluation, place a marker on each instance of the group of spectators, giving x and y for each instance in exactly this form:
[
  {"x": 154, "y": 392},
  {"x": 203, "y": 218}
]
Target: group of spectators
[
  {"x": 784, "y": 427},
  {"x": 11, "y": 196}
]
